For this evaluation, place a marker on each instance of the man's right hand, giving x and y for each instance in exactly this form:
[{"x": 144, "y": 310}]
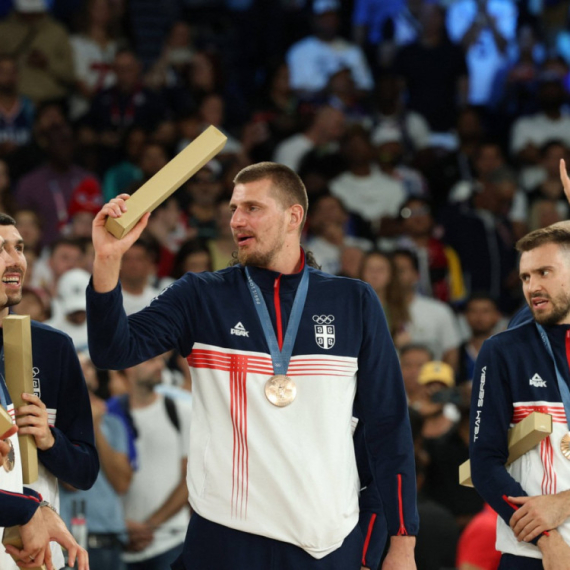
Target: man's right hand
[
  {"x": 35, "y": 549},
  {"x": 105, "y": 243},
  {"x": 108, "y": 249},
  {"x": 555, "y": 552}
]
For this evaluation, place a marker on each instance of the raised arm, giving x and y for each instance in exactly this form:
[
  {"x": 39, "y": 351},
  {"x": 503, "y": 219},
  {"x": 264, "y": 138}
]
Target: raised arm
[{"x": 108, "y": 249}]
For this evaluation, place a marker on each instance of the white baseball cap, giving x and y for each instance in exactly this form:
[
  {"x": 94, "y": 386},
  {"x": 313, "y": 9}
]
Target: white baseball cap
[{"x": 71, "y": 290}]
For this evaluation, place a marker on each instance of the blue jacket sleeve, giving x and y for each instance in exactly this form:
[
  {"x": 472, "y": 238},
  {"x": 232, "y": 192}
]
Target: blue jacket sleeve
[
  {"x": 73, "y": 457},
  {"x": 372, "y": 521},
  {"x": 18, "y": 508},
  {"x": 491, "y": 413},
  {"x": 117, "y": 341},
  {"x": 382, "y": 399}
]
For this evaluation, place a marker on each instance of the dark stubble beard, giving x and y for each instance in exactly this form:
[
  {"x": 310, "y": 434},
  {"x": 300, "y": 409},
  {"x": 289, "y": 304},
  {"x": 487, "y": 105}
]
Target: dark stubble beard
[{"x": 560, "y": 310}]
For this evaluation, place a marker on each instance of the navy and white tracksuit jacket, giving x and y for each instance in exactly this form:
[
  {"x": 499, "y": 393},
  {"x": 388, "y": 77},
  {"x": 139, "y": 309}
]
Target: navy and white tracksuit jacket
[
  {"x": 59, "y": 383},
  {"x": 515, "y": 376},
  {"x": 285, "y": 473}
]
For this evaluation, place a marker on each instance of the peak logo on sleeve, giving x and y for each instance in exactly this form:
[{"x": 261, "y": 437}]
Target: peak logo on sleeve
[
  {"x": 239, "y": 330},
  {"x": 537, "y": 382}
]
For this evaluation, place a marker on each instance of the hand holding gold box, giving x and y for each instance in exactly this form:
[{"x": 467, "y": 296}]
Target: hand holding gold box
[
  {"x": 522, "y": 438},
  {"x": 20, "y": 379},
  {"x": 12, "y": 537},
  {"x": 168, "y": 179}
]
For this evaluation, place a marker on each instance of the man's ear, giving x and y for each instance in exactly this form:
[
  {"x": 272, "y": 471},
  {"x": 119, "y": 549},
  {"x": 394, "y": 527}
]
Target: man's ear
[{"x": 296, "y": 216}]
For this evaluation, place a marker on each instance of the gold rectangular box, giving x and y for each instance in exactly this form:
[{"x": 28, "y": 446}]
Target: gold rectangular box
[
  {"x": 168, "y": 179},
  {"x": 522, "y": 438},
  {"x": 19, "y": 379}
]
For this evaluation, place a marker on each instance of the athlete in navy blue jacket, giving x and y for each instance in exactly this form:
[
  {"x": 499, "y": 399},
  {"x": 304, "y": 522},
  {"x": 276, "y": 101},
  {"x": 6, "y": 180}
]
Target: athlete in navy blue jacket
[
  {"x": 522, "y": 370},
  {"x": 278, "y": 353},
  {"x": 57, "y": 414}
]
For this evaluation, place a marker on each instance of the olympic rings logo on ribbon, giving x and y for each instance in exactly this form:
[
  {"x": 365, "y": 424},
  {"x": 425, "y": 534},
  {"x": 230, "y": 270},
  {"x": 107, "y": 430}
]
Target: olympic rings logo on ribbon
[{"x": 323, "y": 319}]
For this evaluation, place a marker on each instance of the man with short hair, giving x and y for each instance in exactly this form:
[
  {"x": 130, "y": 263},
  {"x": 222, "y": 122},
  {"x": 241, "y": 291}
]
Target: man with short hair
[
  {"x": 278, "y": 352},
  {"x": 155, "y": 508},
  {"x": 432, "y": 322},
  {"x": 520, "y": 371},
  {"x": 57, "y": 414},
  {"x": 482, "y": 316},
  {"x": 139, "y": 265}
]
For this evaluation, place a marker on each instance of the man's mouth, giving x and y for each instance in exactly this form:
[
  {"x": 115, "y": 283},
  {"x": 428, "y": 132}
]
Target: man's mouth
[
  {"x": 12, "y": 280},
  {"x": 539, "y": 302},
  {"x": 243, "y": 240}
]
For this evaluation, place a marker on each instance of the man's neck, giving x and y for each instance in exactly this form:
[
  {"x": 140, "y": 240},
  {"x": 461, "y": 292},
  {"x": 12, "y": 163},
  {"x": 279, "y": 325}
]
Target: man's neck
[
  {"x": 141, "y": 398},
  {"x": 288, "y": 261},
  {"x": 476, "y": 342}
]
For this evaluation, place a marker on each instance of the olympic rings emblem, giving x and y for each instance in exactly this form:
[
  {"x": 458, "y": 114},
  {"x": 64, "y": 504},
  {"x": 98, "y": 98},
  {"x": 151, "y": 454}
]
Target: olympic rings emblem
[{"x": 323, "y": 319}]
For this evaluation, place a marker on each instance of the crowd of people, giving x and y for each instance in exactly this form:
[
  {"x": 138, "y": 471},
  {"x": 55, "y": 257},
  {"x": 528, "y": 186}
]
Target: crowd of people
[{"x": 428, "y": 135}]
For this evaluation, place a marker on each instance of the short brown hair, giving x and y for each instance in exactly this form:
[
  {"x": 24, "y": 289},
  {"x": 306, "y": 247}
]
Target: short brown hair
[
  {"x": 288, "y": 184},
  {"x": 558, "y": 233}
]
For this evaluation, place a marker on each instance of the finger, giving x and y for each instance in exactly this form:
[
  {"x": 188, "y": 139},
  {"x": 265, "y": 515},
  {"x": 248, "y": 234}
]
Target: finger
[
  {"x": 33, "y": 399},
  {"x": 533, "y": 529},
  {"x": 8, "y": 434},
  {"x": 71, "y": 556},
  {"x": 82, "y": 559},
  {"x": 15, "y": 552},
  {"x": 31, "y": 410},
  {"x": 519, "y": 500}
]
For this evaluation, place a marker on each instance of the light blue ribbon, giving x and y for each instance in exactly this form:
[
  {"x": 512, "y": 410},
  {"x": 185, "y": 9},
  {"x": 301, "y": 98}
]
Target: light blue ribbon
[
  {"x": 562, "y": 385},
  {"x": 280, "y": 358}
]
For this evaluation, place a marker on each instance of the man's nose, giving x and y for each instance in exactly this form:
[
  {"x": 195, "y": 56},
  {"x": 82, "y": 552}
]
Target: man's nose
[{"x": 237, "y": 219}]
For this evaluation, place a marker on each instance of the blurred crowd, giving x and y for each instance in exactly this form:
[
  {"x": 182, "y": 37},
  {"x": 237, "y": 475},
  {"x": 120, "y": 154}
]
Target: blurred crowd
[{"x": 428, "y": 134}]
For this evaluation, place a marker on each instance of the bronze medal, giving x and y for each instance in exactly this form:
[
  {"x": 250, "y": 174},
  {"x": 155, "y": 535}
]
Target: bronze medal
[
  {"x": 280, "y": 390},
  {"x": 10, "y": 459},
  {"x": 565, "y": 446}
]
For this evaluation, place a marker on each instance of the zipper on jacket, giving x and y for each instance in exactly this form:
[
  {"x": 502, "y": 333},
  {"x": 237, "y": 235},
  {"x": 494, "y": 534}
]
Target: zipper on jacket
[
  {"x": 277, "y": 303},
  {"x": 402, "y": 530}
]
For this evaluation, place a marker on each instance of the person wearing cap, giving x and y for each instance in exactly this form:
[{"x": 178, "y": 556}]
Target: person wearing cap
[
  {"x": 388, "y": 142},
  {"x": 363, "y": 188},
  {"x": 314, "y": 59},
  {"x": 71, "y": 317},
  {"x": 86, "y": 200},
  {"x": 42, "y": 48},
  {"x": 439, "y": 417}
]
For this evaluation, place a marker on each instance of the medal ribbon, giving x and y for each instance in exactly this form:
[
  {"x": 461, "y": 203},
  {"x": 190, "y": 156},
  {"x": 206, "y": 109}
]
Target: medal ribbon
[
  {"x": 280, "y": 358},
  {"x": 562, "y": 385}
]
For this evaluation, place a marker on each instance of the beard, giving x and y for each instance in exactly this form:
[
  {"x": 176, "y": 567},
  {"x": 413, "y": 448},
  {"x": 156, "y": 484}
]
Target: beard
[
  {"x": 560, "y": 310},
  {"x": 255, "y": 258},
  {"x": 259, "y": 258}
]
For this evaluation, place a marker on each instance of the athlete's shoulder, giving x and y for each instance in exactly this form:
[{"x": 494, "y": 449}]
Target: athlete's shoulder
[
  {"x": 512, "y": 336},
  {"x": 339, "y": 281},
  {"x": 48, "y": 334}
]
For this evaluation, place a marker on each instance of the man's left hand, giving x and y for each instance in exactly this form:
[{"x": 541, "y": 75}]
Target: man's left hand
[
  {"x": 537, "y": 514},
  {"x": 32, "y": 419}
]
